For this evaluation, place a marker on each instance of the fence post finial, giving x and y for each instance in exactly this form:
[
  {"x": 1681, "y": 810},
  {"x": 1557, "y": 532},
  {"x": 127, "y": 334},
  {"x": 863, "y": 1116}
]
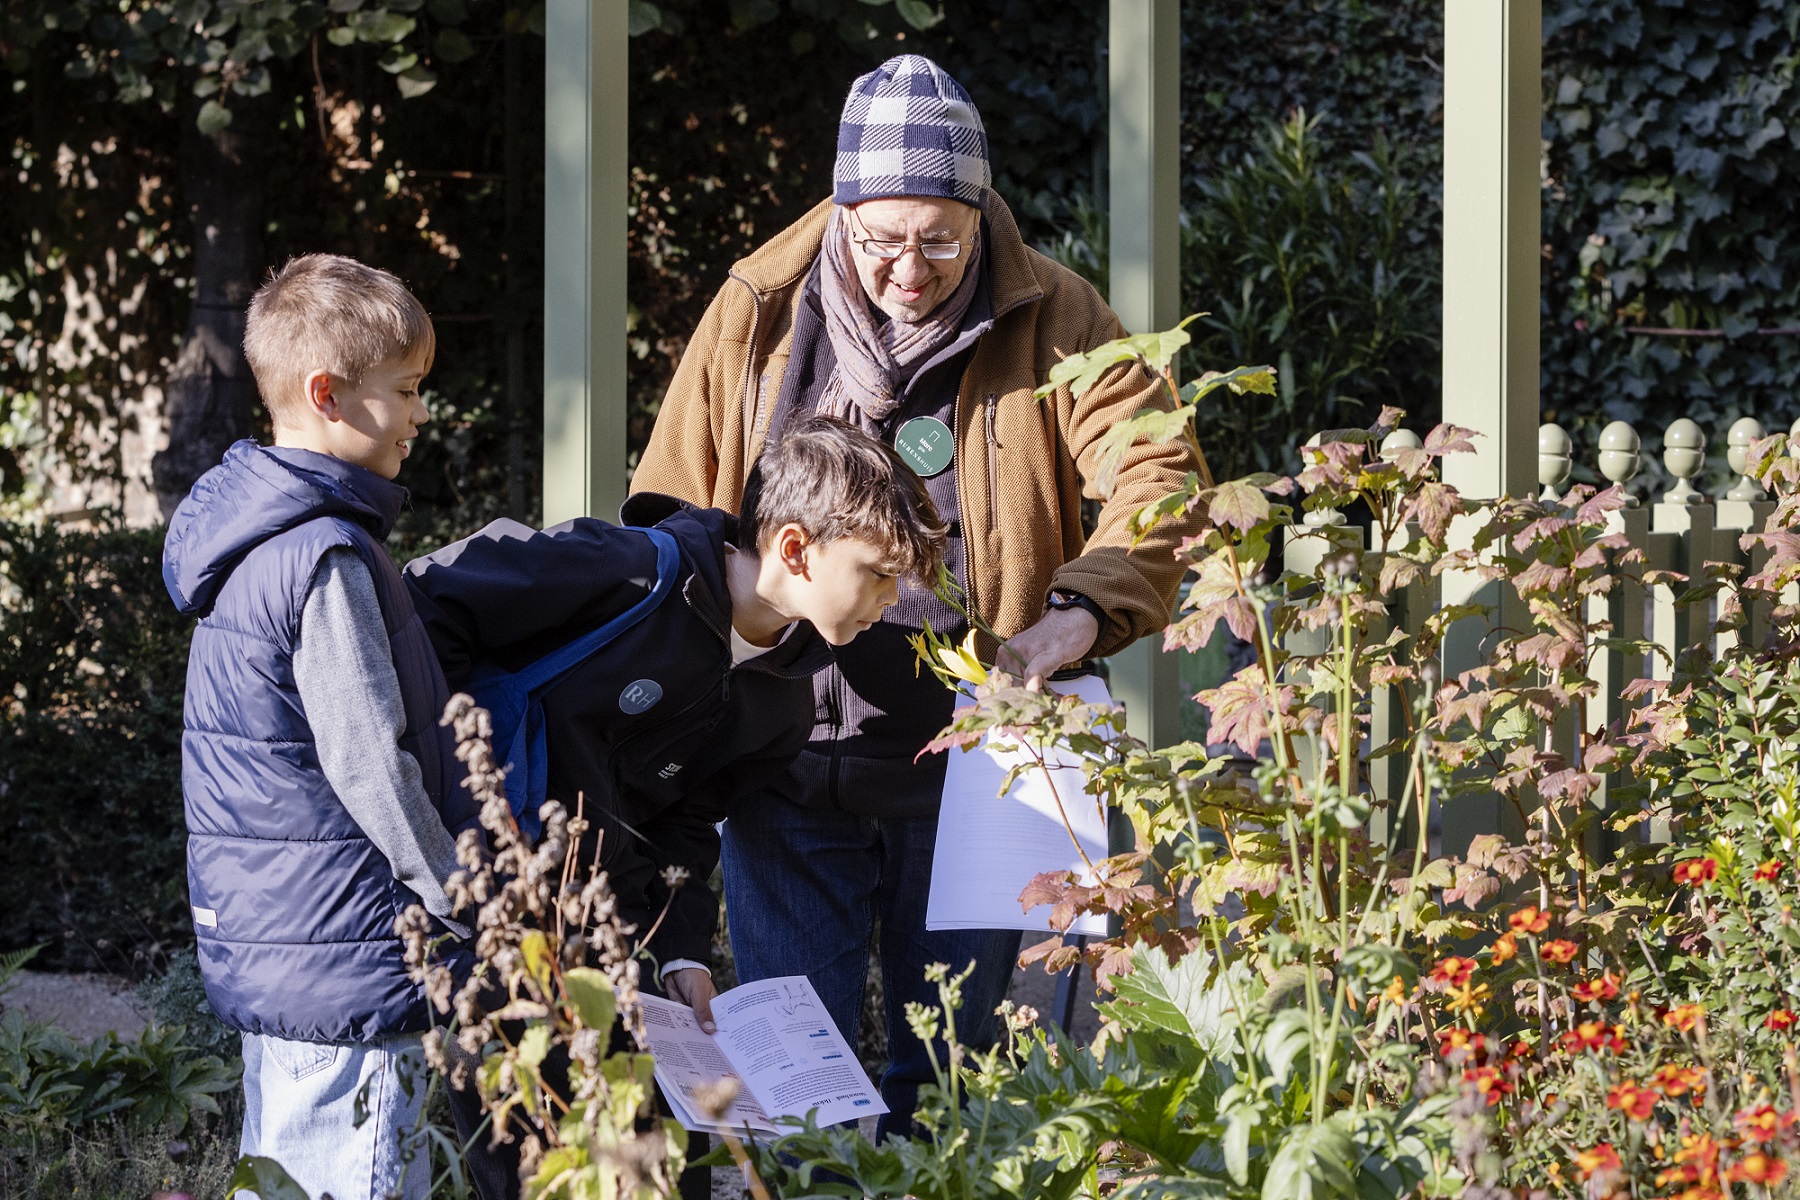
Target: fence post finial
[
  {"x": 1555, "y": 459},
  {"x": 1743, "y": 431},
  {"x": 1619, "y": 457},
  {"x": 1406, "y": 439},
  {"x": 1684, "y": 454}
]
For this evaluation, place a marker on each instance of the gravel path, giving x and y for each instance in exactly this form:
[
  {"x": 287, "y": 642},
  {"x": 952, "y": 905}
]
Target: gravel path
[{"x": 83, "y": 1006}]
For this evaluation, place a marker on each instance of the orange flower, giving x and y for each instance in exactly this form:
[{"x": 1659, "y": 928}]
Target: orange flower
[
  {"x": 1456, "y": 1039},
  {"x": 1696, "y": 872},
  {"x": 1780, "y": 1019},
  {"x": 1594, "y": 1035},
  {"x": 1491, "y": 1082},
  {"x": 1603, "y": 988},
  {"x": 1757, "y": 1167},
  {"x": 1518, "y": 1048},
  {"x": 1561, "y": 952},
  {"x": 1762, "y": 1123},
  {"x": 1601, "y": 1158},
  {"x": 1769, "y": 871},
  {"x": 1683, "y": 1017},
  {"x": 1530, "y": 919},
  {"x": 1395, "y": 992},
  {"x": 1699, "y": 1159},
  {"x": 1453, "y": 970},
  {"x": 1678, "y": 1081},
  {"x": 1505, "y": 948},
  {"x": 1634, "y": 1101}
]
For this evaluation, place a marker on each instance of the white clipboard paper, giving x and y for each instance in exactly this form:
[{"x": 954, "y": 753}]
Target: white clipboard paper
[{"x": 989, "y": 847}]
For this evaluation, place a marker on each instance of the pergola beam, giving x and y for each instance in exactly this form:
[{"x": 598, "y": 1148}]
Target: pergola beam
[
  {"x": 1493, "y": 105},
  {"x": 1144, "y": 188},
  {"x": 585, "y": 195}
]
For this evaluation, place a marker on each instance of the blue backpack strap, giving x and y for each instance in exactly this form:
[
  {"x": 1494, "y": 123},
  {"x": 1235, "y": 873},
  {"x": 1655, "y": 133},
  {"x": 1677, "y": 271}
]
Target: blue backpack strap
[{"x": 515, "y": 700}]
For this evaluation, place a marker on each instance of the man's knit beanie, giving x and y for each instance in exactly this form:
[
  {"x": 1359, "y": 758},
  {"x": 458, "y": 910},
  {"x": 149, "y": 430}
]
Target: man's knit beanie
[{"x": 909, "y": 129}]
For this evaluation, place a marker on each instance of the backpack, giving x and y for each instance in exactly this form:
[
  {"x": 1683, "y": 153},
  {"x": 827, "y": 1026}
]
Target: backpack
[{"x": 514, "y": 699}]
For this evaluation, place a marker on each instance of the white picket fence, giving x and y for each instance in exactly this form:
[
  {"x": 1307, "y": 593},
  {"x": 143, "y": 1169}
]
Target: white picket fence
[{"x": 1681, "y": 531}]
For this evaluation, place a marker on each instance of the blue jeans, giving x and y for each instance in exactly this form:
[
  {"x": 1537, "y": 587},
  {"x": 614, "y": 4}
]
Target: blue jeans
[
  {"x": 803, "y": 891},
  {"x": 300, "y": 1109}
]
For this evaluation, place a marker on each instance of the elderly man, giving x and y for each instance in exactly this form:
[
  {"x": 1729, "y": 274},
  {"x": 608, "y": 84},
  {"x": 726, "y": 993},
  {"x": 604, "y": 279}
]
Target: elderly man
[{"x": 909, "y": 304}]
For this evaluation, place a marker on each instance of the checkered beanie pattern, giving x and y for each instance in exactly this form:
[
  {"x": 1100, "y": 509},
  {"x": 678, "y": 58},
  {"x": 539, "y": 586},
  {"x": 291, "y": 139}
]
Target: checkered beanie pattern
[{"x": 909, "y": 129}]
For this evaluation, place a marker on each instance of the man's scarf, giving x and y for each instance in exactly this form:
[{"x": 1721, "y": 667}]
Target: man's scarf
[{"x": 877, "y": 359}]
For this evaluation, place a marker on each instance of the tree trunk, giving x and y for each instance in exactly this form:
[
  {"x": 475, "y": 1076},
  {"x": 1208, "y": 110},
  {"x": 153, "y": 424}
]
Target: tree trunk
[{"x": 210, "y": 399}]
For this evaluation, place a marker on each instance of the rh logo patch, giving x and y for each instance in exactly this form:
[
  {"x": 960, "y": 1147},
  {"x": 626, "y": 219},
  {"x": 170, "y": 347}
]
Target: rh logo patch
[{"x": 640, "y": 695}]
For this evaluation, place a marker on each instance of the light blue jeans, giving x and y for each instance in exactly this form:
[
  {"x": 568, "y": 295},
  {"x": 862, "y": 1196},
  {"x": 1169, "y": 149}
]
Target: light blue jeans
[{"x": 338, "y": 1115}]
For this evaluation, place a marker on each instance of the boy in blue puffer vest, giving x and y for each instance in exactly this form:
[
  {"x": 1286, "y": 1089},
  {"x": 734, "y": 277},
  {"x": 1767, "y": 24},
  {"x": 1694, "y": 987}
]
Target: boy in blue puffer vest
[{"x": 322, "y": 798}]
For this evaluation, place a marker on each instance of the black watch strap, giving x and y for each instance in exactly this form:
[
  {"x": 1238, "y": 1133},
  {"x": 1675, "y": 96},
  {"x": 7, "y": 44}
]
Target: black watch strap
[{"x": 1061, "y": 598}]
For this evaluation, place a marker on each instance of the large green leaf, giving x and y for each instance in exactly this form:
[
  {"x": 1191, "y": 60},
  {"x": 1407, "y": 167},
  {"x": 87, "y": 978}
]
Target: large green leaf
[
  {"x": 590, "y": 994},
  {"x": 266, "y": 1177},
  {"x": 1314, "y": 1162},
  {"x": 1184, "y": 998}
]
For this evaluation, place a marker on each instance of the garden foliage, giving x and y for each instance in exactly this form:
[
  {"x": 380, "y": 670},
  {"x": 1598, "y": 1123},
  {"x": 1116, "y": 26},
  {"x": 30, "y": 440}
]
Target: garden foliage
[
  {"x": 93, "y": 659},
  {"x": 1309, "y": 999},
  {"x": 1672, "y": 136}
]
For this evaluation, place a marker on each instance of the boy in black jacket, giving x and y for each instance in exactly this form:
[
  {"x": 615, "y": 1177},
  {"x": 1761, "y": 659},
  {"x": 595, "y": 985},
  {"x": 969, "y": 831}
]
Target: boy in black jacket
[{"x": 710, "y": 696}]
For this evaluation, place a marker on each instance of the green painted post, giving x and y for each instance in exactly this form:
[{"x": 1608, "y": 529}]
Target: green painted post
[
  {"x": 585, "y": 192},
  {"x": 1144, "y": 139},
  {"x": 1492, "y": 110}
]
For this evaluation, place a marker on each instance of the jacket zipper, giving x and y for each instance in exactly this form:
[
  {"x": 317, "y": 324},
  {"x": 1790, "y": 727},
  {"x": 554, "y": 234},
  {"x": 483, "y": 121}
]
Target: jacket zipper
[
  {"x": 837, "y": 727},
  {"x": 684, "y": 710},
  {"x": 993, "y": 462}
]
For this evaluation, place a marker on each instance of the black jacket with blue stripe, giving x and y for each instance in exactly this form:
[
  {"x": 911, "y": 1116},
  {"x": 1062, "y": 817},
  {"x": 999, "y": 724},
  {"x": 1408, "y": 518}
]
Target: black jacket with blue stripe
[{"x": 657, "y": 733}]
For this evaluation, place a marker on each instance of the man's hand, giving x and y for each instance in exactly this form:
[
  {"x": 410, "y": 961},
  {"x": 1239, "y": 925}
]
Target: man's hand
[
  {"x": 694, "y": 988},
  {"x": 1060, "y": 637}
]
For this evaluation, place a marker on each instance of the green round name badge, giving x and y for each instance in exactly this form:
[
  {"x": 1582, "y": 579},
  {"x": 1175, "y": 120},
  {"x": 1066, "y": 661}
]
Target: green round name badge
[{"x": 926, "y": 445}]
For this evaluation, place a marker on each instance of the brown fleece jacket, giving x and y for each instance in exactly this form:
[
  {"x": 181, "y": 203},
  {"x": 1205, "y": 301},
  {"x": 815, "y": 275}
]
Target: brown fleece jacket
[{"x": 1022, "y": 463}]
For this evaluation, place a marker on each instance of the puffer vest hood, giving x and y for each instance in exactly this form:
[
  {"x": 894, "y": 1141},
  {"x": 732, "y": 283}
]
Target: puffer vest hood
[{"x": 293, "y": 906}]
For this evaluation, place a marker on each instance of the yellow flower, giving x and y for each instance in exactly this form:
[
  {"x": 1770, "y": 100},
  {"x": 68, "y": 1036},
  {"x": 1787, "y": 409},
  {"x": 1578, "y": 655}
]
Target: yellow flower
[
  {"x": 962, "y": 661},
  {"x": 921, "y": 651},
  {"x": 1470, "y": 996}
]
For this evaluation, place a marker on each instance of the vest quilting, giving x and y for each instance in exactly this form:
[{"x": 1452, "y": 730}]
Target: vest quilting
[{"x": 294, "y": 907}]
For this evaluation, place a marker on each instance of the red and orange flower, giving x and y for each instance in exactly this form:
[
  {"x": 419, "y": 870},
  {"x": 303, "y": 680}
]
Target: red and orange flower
[
  {"x": 1530, "y": 919},
  {"x": 1768, "y": 872},
  {"x": 1683, "y": 1017},
  {"x": 1763, "y": 1123},
  {"x": 1594, "y": 1035},
  {"x": 1504, "y": 949},
  {"x": 1561, "y": 951},
  {"x": 1674, "y": 1080},
  {"x": 1696, "y": 872},
  {"x": 1781, "y": 1020},
  {"x": 1600, "y": 1158},
  {"x": 1453, "y": 971},
  {"x": 1594, "y": 990},
  {"x": 1757, "y": 1167},
  {"x": 1634, "y": 1100},
  {"x": 1490, "y": 1082}
]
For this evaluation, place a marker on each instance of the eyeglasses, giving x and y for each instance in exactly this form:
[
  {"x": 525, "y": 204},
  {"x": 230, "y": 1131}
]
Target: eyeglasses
[{"x": 888, "y": 251}]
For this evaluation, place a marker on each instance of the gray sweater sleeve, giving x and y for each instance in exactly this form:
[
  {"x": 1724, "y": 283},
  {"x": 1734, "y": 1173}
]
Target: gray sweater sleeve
[{"x": 344, "y": 670}]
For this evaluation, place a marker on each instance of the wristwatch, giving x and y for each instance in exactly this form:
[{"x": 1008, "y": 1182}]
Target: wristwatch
[{"x": 1061, "y": 598}]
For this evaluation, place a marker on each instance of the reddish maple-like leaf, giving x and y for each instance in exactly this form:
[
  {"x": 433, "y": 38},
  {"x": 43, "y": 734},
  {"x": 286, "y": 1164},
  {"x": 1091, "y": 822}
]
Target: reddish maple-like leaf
[
  {"x": 1237, "y": 505},
  {"x": 1450, "y": 439},
  {"x": 1432, "y": 507},
  {"x": 1240, "y": 710}
]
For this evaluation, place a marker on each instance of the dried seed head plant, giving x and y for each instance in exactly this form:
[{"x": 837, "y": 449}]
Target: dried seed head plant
[{"x": 555, "y": 967}]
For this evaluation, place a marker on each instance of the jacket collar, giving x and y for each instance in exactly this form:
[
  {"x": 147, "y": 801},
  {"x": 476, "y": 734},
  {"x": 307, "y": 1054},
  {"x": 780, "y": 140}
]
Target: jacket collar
[
  {"x": 703, "y": 534},
  {"x": 256, "y": 493},
  {"x": 783, "y": 261}
]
